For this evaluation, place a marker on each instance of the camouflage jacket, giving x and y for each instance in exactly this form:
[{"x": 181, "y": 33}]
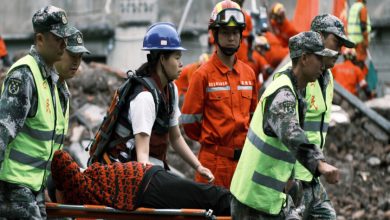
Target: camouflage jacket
[
  {"x": 280, "y": 121},
  {"x": 19, "y": 99}
]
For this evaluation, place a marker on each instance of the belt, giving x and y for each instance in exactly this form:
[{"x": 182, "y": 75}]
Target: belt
[{"x": 229, "y": 152}]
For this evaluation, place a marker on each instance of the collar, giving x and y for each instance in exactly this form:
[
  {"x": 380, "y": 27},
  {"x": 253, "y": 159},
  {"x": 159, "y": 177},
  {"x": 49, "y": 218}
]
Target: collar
[
  {"x": 294, "y": 81},
  {"x": 221, "y": 66},
  {"x": 46, "y": 71}
]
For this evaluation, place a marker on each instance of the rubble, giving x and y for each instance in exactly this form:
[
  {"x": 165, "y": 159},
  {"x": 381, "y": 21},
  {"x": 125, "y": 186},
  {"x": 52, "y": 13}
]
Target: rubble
[{"x": 360, "y": 150}]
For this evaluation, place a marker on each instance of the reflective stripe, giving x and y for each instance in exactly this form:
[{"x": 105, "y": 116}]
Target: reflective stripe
[
  {"x": 28, "y": 160},
  {"x": 244, "y": 87},
  {"x": 214, "y": 89},
  {"x": 315, "y": 126},
  {"x": 43, "y": 135},
  {"x": 268, "y": 182},
  {"x": 190, "y": 118},
  {"x": 269, "y": 150},
  {"x": 37, "y": 134}
]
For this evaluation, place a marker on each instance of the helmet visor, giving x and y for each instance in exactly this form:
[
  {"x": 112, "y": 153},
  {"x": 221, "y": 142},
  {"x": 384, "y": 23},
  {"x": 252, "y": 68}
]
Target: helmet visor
[{"x": 227, "y": 15}]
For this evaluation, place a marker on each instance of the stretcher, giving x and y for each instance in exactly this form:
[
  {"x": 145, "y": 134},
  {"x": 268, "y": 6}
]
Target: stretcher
[{"x": 57, "y": 210}]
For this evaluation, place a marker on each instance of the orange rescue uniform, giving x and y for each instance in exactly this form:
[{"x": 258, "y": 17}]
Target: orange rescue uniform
[
  {"x": 283, "y": 31},
  {"x": 3, "y": 48},
  {"x": 217, "y": 111},
  {"x": 348, "y": 75},
  {"x": 277, "y": 52},
  {"x": 183, "y": 81},
  {"x": 259, "y": 65}
]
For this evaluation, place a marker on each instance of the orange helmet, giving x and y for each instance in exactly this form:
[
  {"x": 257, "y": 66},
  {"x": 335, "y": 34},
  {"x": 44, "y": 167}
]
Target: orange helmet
[{"x": 227, "y": 13}]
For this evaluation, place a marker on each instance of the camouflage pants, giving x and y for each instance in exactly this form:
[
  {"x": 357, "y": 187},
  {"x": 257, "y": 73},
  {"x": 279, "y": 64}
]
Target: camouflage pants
[
  {"x": 19, "y": 202},
  {"x": 240, "y": 211},
  {"x": 315, "y": 203}
]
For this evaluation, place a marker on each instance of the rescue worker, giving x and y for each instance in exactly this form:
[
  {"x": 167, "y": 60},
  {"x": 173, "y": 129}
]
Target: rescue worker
[
  {"x": 34, "y": 115},
  {"x": 276, "y": 140},
  {"x": 185, "y": 76},
  {"x": 319, "y": 95},
  {"x": 359, "y": 29},
  {"x": 140, "y": 126},
  {"x": 280, "y": 25},
  {"x": 261, "y": 65},
  {"x": 348, "y": 75},
  {"x": 221, "y": 97},
  {"x": 277, "y": 51},
  {"x": 133, "y": 184},
  {"x": 4, "y": 53},
  {"x": 70, "y": 61},
  {"x": 244, "y": 52}
]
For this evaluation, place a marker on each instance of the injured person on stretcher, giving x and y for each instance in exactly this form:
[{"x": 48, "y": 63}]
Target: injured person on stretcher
[{"x": 127, "y": 186}]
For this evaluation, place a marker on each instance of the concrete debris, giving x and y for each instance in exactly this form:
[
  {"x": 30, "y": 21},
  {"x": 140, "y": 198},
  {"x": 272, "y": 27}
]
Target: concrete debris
[
  {"x": 381, "y": 105},
  {"x": 91, "y": 115},
  {"x": 374, "y": 161},
  {"x": 338, "y": 116}
]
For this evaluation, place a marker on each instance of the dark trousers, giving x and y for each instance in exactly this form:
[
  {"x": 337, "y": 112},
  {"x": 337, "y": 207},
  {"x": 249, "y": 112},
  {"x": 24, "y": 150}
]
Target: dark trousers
[
  {"x": 166, "y": 190},
  {"x": 20, "y": 202}
]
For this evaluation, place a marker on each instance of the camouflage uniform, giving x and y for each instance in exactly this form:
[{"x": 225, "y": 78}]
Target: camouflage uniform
[
  {"x": 75, "y": 43},
  {"x": 313, "y": 200},
  {"x": 17, "y": 102},
  {"x": 280, "y": 120}
]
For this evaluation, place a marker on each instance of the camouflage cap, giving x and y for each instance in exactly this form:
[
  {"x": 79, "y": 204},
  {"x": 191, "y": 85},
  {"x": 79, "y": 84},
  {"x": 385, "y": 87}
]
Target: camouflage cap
[
  {"x": 51, "y": 19},
  {"x": 75, "y": 42},
  {"x": 308, "y": 42},
  {"x": 331, "y": 24}
]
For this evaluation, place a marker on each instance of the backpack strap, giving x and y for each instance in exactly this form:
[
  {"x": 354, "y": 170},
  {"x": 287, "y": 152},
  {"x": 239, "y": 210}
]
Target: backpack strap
[{"x": 151, "y": 86}]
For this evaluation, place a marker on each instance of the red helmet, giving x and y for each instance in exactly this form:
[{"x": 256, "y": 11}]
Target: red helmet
[{"x": 227, "y": 13}]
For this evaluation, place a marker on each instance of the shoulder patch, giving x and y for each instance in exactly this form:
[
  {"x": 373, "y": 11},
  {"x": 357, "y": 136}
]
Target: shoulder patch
[
  {"x": 288, "y": 107},
  {"x": 14, "y": 86}
]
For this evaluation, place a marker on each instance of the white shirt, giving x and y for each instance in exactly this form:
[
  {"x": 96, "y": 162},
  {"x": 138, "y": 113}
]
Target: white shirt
[{"x": 142, "y": 112}]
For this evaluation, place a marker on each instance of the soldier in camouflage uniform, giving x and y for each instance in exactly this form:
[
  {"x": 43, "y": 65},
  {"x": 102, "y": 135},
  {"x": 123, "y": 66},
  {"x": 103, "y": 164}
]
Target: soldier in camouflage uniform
[
  {"x": 276, "y": 139},
  {"x": 33, "y": 118},
  {"x": 71, "y": 59},
  {"x": 312, "y": 199}
]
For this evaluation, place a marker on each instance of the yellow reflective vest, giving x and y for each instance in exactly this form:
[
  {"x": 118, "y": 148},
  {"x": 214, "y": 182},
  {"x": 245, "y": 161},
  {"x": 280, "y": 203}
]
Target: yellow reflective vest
[
  {"x": 354, "y": 29},
  {"x": 266, "y": 164},
  {"x": 317, "y": 117},
  {"x": 28, "y": 156}
]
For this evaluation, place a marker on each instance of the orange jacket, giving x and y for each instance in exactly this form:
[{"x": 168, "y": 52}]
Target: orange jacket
[
  {"x": 348, "y": 75},
  {"x": 183, "y": 81},
  {"x": 283, "y": 31},
  {"x": 277, "y": 52},
  {"x": 219, "y": 102},
  {"x": 259, "y": 65},
  {"x": 3, "y": 48}
]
